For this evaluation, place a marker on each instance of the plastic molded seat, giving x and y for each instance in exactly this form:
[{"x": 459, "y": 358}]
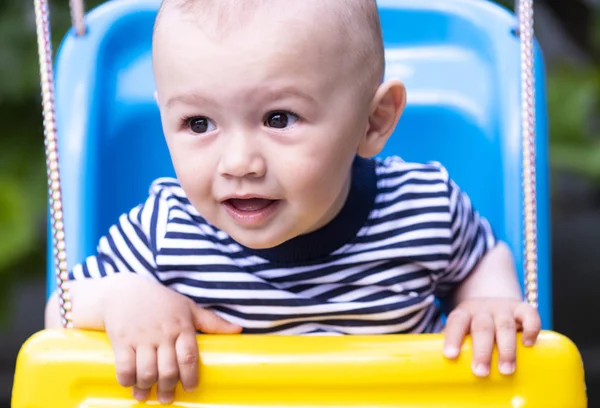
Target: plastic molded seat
[
  {"x": 75, "y": 369},
  {"x": 460, "y": 62}
]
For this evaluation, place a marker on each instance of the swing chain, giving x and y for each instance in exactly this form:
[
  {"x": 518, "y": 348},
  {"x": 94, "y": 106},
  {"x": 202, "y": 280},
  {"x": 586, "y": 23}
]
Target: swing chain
[
  {"x": 77, "y": 16},
  {"x": 528, "y": 122},
  {"x": 42, "y": 20}
]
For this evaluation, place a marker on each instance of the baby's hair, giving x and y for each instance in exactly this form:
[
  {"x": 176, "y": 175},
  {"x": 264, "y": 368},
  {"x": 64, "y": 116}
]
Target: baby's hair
[{"x": 357, "y": 19}]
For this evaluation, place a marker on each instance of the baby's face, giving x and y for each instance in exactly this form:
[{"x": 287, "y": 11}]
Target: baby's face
[{"x": 262, "y": 123}]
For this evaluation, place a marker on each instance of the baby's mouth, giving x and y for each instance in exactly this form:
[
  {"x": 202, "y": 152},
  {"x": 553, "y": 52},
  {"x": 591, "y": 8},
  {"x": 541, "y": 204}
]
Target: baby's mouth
[
  {"x": 249, "y": 204},
  {"x": 251, "y": 212}
]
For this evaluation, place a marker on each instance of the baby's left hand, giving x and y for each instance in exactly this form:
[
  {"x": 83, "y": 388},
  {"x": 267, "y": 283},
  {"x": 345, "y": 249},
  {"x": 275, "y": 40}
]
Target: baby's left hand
[{"x": 491, "y": 321}]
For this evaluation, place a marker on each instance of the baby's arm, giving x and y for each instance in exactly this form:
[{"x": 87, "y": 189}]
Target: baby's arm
[
  {"x": 152, "y": 330},
  {"x": 90, "y": 295},
  {"x": 489, "y": 306},
  {"x": 481, "y": 289},
  {"x": 493, "y": 277}
]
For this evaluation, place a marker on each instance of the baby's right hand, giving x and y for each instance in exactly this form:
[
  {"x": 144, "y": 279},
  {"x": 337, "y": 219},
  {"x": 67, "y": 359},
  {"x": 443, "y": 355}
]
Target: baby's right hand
[{"x": 152, "y": 330}]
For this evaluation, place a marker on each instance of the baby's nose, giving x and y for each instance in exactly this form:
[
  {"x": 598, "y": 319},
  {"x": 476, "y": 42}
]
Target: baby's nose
[{"x": 242, "y": 159}]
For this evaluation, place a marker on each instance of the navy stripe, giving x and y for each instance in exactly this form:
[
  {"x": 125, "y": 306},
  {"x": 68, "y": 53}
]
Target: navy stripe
[
  {"x": 243, "y": 285},
  {"x": 384, "y": 235},
  {"x": 134, "y": 251},
  {"x": 212, "y": 268},
  {"x": 115, "y": 250},
  {"x": 410, "y": 212},
  {"x": 86, "y": 271},
  {"x": 174, "y": 235},
  {"x": 368, "y": 310},
  {"x": 414, "y": 170},
  {"x": 137, "y": 229},
  {"x": 154, "y": 222},
  {"x": 103, "y": 258},
  {"x": 336, "y": 322},
  {"x": 385, "y": 190}
]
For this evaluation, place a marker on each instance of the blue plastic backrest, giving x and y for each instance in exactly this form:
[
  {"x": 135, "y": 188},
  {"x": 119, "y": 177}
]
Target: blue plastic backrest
[{"x": 460, "y": 61}]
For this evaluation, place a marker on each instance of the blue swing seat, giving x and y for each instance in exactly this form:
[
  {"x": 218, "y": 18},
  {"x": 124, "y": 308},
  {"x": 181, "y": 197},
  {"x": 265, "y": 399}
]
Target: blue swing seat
[{"x": 460, "y": 61}]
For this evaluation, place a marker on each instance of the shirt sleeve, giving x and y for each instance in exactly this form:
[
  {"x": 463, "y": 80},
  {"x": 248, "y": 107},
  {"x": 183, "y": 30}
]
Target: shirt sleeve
[
  {"x": 472, "y": 237},
  {"x": 129, "y": 245}
]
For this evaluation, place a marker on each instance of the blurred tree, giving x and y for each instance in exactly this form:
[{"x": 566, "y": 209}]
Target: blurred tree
[
  {"x": 22, "y": 161},
  {"x": 574, "y": 91},
  {"x": 574, "y": 97}
]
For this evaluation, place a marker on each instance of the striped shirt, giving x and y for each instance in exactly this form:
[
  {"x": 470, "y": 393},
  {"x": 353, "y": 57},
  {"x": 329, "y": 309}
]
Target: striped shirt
[{"x": 406, "y": 237}]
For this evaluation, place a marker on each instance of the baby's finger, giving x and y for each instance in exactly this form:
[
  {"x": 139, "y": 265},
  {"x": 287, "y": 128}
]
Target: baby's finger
[
  {"x": 209, "y": 322},
  {"x": 147, "y": 372},
  {"x": 168, "y": 373},
  {"x": 186, "y": 348},
  {"x": 482, "y": 332},
  {"x": 506, "y": 341},
  {"x": 457, "y": 327},
  {"x": 530, "y": 321},
  {"x": 125, "y": 365}
]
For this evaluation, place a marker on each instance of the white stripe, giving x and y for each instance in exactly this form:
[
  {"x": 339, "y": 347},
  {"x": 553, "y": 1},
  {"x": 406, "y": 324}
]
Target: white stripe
[
  {"x": 135, "y": 240},
  {"x": 311, "y": 309},
  {"x": 77, "y": 272},
  {"x": 406, "y": 237},
  {"x": 411, "y": 174},
  {"x": 203, "y": 260},
  {"x": 328, "y": 278},
  {"x": 368, "y": 329},
  {"x": 127, "y": 255},
  {"x": 408, "y": 221},
  {"x": 230, "y": 293},
  {"x": 418, "y": 203},
  {"x": 318, "y": 290},
  {"x": 210, "y": 276},
  {"x": 411, "y": 188},
  {"x": 180, "y": 243},
  {"x": 359, "y": 292},
  {"x": 105, "y": 248}
]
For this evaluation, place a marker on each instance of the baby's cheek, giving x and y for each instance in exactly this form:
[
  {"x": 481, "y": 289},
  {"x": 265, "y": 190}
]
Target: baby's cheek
[
  {"x": 195, "y": 179},
  {"x": 307, "y": 181},
  {"x": 196, "y": 193},
  {"x": 318, "y": 187}
]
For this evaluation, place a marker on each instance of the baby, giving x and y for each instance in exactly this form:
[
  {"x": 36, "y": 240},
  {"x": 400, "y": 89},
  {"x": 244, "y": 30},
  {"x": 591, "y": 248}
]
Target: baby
[{"x": 281, "y": 220}]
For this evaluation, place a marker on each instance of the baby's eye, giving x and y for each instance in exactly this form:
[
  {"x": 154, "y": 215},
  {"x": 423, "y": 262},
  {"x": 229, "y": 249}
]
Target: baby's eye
[
  {"x": 280, "y": 120},
  {"x": 201, "y": 124}
]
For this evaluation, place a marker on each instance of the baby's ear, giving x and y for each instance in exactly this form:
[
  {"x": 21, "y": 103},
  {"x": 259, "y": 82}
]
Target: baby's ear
[{"x": 385, "y": 111}]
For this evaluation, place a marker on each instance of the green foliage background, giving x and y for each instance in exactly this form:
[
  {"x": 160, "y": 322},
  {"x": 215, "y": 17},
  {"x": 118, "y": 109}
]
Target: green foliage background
[
  {"x": 22, "y": 160},
  {"x": 573, "y": 97}
]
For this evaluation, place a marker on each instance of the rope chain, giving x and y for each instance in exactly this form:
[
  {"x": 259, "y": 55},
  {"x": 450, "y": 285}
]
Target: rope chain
[
  {"x": 528, "y": 123},
  {"x": 42, "y": 21},
  {"x": 77, "y": 16}
]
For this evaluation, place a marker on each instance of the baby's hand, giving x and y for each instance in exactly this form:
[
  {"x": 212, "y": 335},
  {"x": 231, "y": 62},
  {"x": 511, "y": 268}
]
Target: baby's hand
[
  {"x": 152, "y": 330},
  {"x": 491, "y": 321}
]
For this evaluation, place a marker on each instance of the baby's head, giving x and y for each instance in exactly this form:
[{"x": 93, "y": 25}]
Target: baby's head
[{"x": 265, "y": 104}]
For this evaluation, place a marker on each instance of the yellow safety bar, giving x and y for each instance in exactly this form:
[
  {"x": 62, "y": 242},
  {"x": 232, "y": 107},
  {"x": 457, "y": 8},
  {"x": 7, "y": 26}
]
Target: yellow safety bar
[{"x": 71, "y": 368}]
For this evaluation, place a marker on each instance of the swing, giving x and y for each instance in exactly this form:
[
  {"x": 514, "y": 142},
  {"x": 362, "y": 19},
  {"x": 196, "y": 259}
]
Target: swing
[{"x": 464, "y": 63}]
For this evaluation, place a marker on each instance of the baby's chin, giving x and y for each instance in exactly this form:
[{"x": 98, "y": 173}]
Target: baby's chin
[
  {"x": 266, "y": 237},
  {"x": 254, "y": 239}
]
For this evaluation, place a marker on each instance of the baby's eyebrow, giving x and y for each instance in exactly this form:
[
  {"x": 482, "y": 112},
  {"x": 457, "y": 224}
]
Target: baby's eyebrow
[
  {"x": 194, "y": 98},
  {"x": 280, "y": 93},
  {"x": 190, "y": 98}
]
